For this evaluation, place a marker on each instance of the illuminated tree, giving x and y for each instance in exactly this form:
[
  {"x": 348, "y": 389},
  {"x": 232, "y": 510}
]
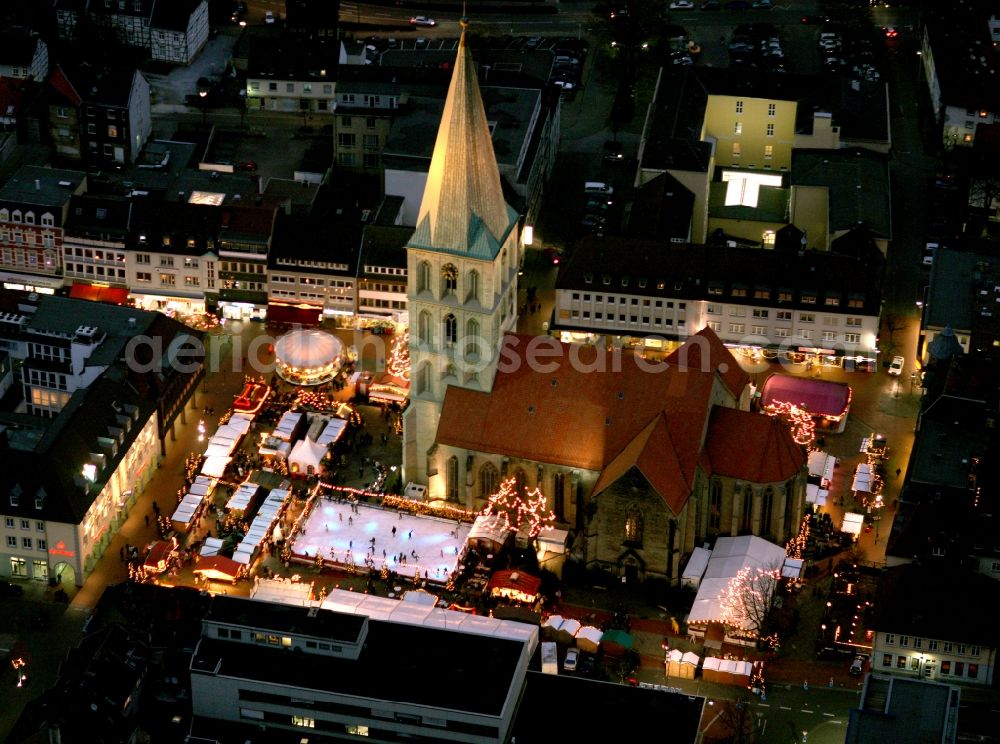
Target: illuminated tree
[
  {"x": 799, "y": 419},
  {"x": 795, "y": 546},
  {"x": 399, "y": 357},
  {"x": 528, "y": 511},
  {"x": 747, "y": 599}
]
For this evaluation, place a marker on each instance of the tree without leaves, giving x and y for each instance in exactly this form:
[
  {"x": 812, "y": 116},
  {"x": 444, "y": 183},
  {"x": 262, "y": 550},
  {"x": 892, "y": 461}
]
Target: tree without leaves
[{"x": 747, "y": 599}]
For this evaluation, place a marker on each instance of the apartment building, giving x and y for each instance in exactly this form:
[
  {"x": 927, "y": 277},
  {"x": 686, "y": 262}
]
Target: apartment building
[
  {"x": 94, "y": 245},
  {"x": 313, "y": 265},
  {"x": 23, "y": 55},
  {"x": 33, "y": 207},
  {"x": 293, "y": 73},
  {"x": 652, "y": 295}
]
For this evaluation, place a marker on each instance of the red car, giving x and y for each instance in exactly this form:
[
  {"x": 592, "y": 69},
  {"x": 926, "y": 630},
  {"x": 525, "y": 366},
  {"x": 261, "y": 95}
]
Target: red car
[{"x": 246, "y": 165}]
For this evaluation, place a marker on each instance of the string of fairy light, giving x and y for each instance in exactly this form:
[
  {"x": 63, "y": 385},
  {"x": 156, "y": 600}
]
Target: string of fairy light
[
  {"x": 799, "y": 419},
  {"x": 527, "y": 511}
]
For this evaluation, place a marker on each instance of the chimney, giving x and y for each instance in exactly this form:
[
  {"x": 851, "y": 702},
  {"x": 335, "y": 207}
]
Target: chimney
[{"x": 38, "y": 184}]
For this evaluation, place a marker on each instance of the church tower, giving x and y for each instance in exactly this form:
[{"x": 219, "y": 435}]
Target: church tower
[{"x": 462, "y": 263}]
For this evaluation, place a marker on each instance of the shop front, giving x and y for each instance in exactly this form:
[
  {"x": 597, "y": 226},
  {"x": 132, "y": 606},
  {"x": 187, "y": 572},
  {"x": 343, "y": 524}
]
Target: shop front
[
  {"x": 242, "y": 310},
  {"x": 99, "y": 293},
  {"x": 31, "y": 283},
  {"x": 179, "y": 303}
]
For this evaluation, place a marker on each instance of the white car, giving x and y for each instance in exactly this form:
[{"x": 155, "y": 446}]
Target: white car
[
  {"x": 269, "y": 17},
  {"x": 929, "y": 250},
  {"x": 682, "y": 5},
  {"x": 422, "y": 21},
  {"x": 572, "y": 656},
  {"x": 896, "y": 368}
]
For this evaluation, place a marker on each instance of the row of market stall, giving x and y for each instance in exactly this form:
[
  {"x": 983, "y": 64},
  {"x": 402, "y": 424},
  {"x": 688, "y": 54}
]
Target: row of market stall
[
  {"x": 302, "y": 441},
  {"x": 585, "y": 637}
]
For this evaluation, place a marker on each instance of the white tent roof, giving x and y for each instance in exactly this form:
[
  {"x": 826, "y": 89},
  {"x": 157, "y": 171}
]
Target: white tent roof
[
  {"x": 792, "y": 569},
  {"x": 332, "y": 432},
  {"x": 488, "y": 528},
  {"x": 821, "y": 464},
  {"x": 306, "y": 348},
  {"x": 690, "y": 658},
  {"x": 306, "y": 452},
  {"x": 853, "y": 523},
  {"x": 244, "y": 494},
  {"x": 590, "y": 633},
  {"x": 215, "y": 467},
  {"x": 282, "y": 592},
  {"x": 286, "y": 425},
  {"x": 675, "y": 654},
  {"x": 861, "y": 482},
  {"x": 696, "y": 566},
  {"x": 816, "y": 495},
  {"x": 731, "y": 554},
  {"x": 396, "y": 611},
  {"x": 211, "y": 547},
  {"x": 274, "y": 447},
  {"x": 553, "y": 540}
]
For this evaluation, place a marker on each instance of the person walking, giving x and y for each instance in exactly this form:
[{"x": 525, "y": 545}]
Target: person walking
[{"x": 146, "y": 517}]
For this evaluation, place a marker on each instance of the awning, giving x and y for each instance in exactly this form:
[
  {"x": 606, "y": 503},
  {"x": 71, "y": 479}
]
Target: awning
[
  {"x": 218, "y": 567},
  {"x": 305, "y": 315},
  {"x": 156, "y": 558},
  {"x": 99, "y": 293}
]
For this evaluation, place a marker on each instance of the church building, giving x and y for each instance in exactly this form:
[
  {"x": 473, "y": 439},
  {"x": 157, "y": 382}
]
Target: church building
[{"x": 641, "y": 461}]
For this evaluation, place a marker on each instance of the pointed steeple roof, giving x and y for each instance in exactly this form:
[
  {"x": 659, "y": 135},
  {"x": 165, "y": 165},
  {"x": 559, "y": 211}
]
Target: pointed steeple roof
[{"x": 462, "y": 198}]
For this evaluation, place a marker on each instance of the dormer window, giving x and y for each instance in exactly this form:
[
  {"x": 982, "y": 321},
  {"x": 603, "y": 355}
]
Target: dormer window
[
  {"x": 29, "y": 218},
  {"x": 15, "y": 216},
  {"x": 606, "y": 280},
  {"x": 588, "y": 278},
  {"x": 808, "y": 298},
  {"x": 642, "y": 284},
  {"x": 624, "y": 281},
  {"x": 833, "y": 300}
]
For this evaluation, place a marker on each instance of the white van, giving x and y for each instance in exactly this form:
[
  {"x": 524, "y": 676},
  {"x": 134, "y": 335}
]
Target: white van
[{"x": 597, "y": 187}]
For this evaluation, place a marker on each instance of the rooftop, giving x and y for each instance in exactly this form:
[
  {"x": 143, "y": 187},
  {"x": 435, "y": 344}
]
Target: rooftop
[
  {"x": 384, "y": 246},
  {"x": 964, "y": 57},
  {"x": 858, "y": 183},
  {"x": 33, "y": 184},
  {"x": 897, "y": 709},
  {"x": 402, "y": 663},
  {"x": 902, "y": 607},
  {"x": 952, "y": 298},
  {"x": 314, "y": 622},
  {"x": 17, "y": 46}
]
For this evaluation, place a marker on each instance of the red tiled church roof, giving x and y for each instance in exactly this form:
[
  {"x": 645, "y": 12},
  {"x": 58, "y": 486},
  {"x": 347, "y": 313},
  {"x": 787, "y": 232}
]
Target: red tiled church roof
[
  {"x": 636, "y": 414},
  {"x": 773, "y": 457}
]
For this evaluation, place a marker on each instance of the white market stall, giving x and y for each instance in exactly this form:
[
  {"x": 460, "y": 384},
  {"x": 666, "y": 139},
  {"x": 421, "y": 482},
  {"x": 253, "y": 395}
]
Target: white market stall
[
  {"x": 287, "y": 425},
  {"x": 306, "y": 456},
  {"x": 282, "y": 591},
  {"x": 821, "y": 466},
  {"x": 332, "y": 433},
  {"x": 853, "y": 523},
  {"x": 816, "y": 495},
  {"x": 489, "y": 533},
  {"x": 588, "y": 638},
  {"x": 210, "y": 547},
  {"x": 695, "y": 568},
  {"x": 862, "y": 478},
  {"x": 215, "y": 467}
]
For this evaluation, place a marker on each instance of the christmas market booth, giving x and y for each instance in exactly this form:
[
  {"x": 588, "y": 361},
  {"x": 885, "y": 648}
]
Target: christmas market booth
[
  {"x": 159, "y": 555},
  {"x": 251, "y": 398},
  {"x": 218, "y": 568},
  {"x": 616, "y": 642},
  {"x": 561, "y": 629},
  {"x": 514, "y": 585},
  {"x": 308, "y": 356}
]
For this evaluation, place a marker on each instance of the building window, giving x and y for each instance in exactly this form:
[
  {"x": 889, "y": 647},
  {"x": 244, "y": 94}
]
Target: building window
[
  {"x": 904, "y": 641},
  {"x": 747, "y": 521},
  {"x": 489, "y": 481},
  {"x": 112, "y": 131},
  {"x": 770, "y": 130},
  {"x": 472, "y": 337},
  {"x": 715, "y": 505},
  {"x": 424, "y": 327},
  {"x": 772, "y": 109},
  {"x": 423, "y": 276},
  {"x": 886, "y": 660},
  {"x": 890, "y": 639},
  {"x": 452, "y": 479},
  {"x": 738, "y": 128},
  {"x": 450, "y": 330},
  {"x": 736, "y": 327},
  {"x": 473, "y": 287},
  {"x": 633, "y": 527},
  {"x": 739, "y": 107},
  {"x": 852, "y": 338},
  {"x": 768, "y": 152},
  {"x": 303, "y": 722},
  {"x": 167, "y": 280},
  {"x": 345, "y": 139},
  {"x": 11, "y": 541},
  {"x": 27, "y": 543},
  {"x": 901, "y": 662},
  {"x": 973, "y": 671},
  {"x": 807, "y": 317},
  {"x": 449, "y": 279},
  {"x": 736, "y": 149}
]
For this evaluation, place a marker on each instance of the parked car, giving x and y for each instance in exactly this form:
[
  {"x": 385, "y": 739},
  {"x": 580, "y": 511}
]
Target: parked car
[
  {"x": 711, "y": 5},
  {"x": 10, "y": 590},
  {"x": 682, "y": 5},
  {"x": 929, "y": 250},
  {"x": 896, "y": 367},
  {"x": 598, "y": 187},
  {"x": 572, "y": 657},
  {"x": 422, "y": 21},
  {"x": 858, "y": 666},
  {"x": 613, "y": 151},
  {"x": 586, "y": 665}
]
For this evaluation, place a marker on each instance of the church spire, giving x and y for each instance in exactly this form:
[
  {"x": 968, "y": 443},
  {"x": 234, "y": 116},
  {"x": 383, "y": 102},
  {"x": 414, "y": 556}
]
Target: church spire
[{"x": 463, "y": 184}]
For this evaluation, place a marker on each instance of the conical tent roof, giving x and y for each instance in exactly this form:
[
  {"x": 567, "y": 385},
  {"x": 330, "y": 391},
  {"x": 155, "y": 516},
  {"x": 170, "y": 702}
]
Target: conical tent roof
[{"x": 945, "y": 345}]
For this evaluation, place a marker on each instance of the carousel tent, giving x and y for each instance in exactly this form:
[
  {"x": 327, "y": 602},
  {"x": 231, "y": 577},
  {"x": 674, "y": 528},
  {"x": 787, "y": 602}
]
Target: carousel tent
[
  {"x": 305, "y": 454},
  {"x": 308, "y": 356}
]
